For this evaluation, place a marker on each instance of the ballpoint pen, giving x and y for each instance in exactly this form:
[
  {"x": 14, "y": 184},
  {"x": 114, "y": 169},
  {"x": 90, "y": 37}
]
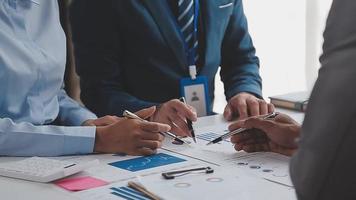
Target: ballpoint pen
[
  {"x": 189, "y": 122},
  {"x": 237, "y": 131},
  {"x": 131, "y": 115},
  {"x": 173, "y": 174}
]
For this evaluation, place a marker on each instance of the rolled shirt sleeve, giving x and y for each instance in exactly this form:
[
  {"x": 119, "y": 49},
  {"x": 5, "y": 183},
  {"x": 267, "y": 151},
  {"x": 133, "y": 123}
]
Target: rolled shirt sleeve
[
  {"x": 70, "y": 112},
  {"x": 26, "y": 139}
]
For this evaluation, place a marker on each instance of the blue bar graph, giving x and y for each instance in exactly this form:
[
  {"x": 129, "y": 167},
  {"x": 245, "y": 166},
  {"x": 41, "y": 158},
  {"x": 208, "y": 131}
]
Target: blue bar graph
[
  {"x": 128, "y": 193},
  {"x": 147, "y": 162}
]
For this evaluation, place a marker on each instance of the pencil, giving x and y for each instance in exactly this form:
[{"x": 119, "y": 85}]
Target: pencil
[{"x": 140, "y": 188}]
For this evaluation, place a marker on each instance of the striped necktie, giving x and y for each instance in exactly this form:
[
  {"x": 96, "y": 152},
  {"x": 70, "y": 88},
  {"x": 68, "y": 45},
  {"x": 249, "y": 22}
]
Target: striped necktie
[{"x": 186, "y": 16}]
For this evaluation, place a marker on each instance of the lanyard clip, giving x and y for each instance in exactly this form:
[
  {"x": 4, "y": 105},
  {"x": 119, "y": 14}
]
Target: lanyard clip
[{"x": 193, "y": 72}]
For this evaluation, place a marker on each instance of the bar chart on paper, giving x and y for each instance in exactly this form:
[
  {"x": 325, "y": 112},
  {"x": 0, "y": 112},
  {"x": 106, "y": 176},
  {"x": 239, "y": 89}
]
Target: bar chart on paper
[
  {"x": 221, "y": 184},
  {"x": 209, "y": 136},
  {"x": 147, "y": 162},
  {"x": 115, "y": 191},
  {"x": 128, "y": 193}
]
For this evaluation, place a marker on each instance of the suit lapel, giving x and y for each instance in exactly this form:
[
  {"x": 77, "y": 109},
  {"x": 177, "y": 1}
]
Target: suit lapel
[
  {"x": 162, "y": 15},
  {"x": 207, "y": 11},
  {"x": 212, "y": 17}
]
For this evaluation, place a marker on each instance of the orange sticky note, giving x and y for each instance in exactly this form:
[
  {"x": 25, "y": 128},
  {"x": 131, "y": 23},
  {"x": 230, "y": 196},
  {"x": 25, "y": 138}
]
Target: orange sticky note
[{"x": 80, "y": 183}]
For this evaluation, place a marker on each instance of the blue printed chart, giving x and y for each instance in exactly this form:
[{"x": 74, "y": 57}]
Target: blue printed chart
[
  {"x": 147, "y": 162},
  {"x": 209, "y": 137},
  {"x": 115, "y": 191},
  {"x": 128, "y": 193}
]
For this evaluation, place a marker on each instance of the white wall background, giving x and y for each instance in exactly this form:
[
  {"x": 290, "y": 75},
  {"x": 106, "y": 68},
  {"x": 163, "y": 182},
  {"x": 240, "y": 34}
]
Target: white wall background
[
  {"x": 317, "y": 11},
  {"x": 288, "y": 37}
]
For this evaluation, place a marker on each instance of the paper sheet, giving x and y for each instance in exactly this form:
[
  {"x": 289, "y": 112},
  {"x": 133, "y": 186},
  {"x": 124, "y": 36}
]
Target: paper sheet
[
  {"x": 103, "y": 193},
  {"x": 227, "y": 185},
  {"x": 271, "y": 166},
  {"x": 245, "y": 175},
  {"x": 115, "y": 191},
  {"x": 109, "y": 173},
  {"x": 218, "y": 185}
]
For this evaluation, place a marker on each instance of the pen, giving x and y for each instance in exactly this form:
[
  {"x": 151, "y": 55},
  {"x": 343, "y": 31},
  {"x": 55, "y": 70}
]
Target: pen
[
  {"x": 131, "y": 115},
  {"x": 173, "y": 174},
  {"x": 237, "y": 131},
  {"x": 189, "y": 122}
]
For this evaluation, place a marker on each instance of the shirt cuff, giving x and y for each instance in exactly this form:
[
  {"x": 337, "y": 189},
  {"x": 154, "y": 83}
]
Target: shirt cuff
[
  {"x": 81, "y": 141},
  {"x": 80, "y": 117},
  {"x": 252, "y": 89}
]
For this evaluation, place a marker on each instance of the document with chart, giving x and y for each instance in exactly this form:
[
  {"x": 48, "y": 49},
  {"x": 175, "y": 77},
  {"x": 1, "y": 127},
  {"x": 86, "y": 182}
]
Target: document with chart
[
  {"x": 218, "y": 185},
  {"x": 236, "y": 174},
  {"x": 222, "y": 184},
  {"x": 119, "y": 167},
  {"x": 271, "y": 166}
]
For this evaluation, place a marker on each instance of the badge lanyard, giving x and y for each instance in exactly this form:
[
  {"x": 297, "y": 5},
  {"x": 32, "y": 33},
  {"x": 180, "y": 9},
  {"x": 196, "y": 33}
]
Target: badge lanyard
[
  {"x": 195, "y": 88},
  {"x": 192, "y": 53}
]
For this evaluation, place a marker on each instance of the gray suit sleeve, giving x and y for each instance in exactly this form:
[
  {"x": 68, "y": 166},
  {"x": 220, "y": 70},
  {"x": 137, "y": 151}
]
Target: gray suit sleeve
[{"x": 325, "y": 165}]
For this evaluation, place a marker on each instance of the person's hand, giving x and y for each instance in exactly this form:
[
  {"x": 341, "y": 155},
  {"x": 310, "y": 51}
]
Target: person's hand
[
  {"x": 244, "y": 105},
  {"x": 175, "y": 113},
  {"x": 276, "y": 135},
  {"x": 131, "y": 136},
  {"x": 103, "y": 121}
]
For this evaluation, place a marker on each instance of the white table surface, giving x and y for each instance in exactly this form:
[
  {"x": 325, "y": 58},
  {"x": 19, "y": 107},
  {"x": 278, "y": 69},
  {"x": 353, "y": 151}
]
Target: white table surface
[{"x": 13, "y": 189}]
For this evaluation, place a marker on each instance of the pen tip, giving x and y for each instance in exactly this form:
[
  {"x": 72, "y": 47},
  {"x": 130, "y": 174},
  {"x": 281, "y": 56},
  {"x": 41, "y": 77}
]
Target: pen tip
[
  {"x": 195, "y": 140},
  {"x": 184, "y": 142}
]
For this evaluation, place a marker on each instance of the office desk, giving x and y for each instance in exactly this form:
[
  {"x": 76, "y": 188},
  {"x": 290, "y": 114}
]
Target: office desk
[{"x": 12, "y": 189}]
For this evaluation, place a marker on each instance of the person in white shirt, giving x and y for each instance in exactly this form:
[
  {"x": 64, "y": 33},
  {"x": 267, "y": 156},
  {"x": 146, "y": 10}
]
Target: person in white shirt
[{"x": 37, "y": 118}]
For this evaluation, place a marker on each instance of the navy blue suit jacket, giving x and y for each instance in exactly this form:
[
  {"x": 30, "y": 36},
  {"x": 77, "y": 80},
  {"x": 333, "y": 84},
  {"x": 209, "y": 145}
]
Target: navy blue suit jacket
[{"x": 130, "y": 54}]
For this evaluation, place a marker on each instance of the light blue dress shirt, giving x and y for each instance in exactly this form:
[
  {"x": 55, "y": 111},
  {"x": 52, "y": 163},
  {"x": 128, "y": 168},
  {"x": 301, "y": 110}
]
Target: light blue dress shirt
[{"x": 32, "y": 64}]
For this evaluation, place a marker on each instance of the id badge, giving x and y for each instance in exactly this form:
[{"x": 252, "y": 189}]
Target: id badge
[{"x": 196, "y": 94}]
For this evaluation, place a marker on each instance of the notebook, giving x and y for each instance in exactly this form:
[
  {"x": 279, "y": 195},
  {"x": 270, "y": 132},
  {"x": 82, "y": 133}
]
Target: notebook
[{"x": 295, "y": 101}]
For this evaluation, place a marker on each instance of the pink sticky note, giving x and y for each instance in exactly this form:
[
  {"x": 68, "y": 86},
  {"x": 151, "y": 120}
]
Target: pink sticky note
[{"x": 80, "y": 183}]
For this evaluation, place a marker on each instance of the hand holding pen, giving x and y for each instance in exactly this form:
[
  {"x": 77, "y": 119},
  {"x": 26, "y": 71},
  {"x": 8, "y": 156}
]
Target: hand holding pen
[
  {"x": 240, "y": 130},
  {"x": 131, "y": 115},
  {"x": 131, "y": 137},
  {"x": 279, "y": 135},
  {"x": 189, "y": 122},
  {"x": 175, "y": 114}
]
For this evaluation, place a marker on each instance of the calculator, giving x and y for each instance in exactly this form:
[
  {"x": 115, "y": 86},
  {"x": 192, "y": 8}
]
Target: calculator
[{"x": 42, "y": 170}]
